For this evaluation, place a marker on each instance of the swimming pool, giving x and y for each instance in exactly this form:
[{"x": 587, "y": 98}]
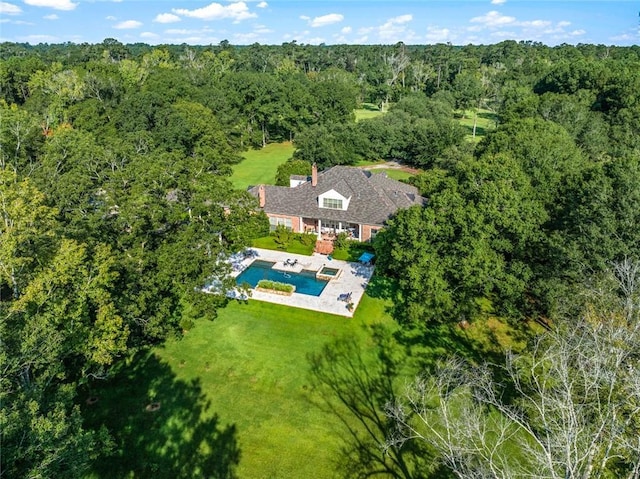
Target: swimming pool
[{"x": 305, "y": 281}]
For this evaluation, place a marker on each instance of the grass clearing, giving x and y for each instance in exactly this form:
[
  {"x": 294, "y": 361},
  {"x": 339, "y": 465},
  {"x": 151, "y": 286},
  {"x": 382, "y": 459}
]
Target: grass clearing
[
  {"x": 393, "y": 173},
  {"x": 260, "y": 166},
  {"x": 235, "y": 395},
  {"x": 242, "y": 379},
  {"x": 368, "y": 110},
  {"x": 486, "y": 122}
]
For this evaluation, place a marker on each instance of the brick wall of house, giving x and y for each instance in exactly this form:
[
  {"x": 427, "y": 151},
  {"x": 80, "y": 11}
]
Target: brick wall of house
[
  {"x": 367, "y": 232},
  {"x": 295, "y": 221}
]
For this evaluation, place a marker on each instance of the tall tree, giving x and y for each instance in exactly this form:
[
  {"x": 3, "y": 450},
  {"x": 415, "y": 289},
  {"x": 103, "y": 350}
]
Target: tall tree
[{"x": 568, "y": 405}]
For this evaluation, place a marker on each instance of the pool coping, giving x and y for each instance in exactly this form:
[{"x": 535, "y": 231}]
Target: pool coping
[{"x": 353, "y": 279}]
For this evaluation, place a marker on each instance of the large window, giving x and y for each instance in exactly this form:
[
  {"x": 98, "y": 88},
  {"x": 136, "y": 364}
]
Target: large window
[
  {"x": 275, "y": 222},
  {"x": 332, "y": 203}
]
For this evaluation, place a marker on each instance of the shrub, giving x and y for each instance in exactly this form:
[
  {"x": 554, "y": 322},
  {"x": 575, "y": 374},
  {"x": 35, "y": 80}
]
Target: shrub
[
  {"x": 341, "y": 240},
  {"x": 308, "y": 239},
  {"x": 186, "y": 324},
  {"x": 282, "y": 236},
  {"x": 275, "y": 286}
]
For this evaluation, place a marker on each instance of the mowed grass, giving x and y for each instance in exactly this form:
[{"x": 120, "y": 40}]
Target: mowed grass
[
  {"x": 486, "y": 122},
  {"x": 234, "y": 390},
  {"x": 368, "y": 110},
  {"x": 260, "y": 166},
  {"x": 393, "y": 173}
]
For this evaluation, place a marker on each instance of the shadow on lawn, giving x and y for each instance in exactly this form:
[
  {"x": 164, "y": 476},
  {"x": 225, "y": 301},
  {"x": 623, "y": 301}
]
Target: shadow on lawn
[
  {"x": 355, "y": 382},
  {"x": 182, "y": 438}
]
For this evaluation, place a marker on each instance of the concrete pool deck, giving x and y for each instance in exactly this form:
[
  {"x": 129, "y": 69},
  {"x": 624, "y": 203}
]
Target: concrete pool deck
[{"x": 353, "y": 279}]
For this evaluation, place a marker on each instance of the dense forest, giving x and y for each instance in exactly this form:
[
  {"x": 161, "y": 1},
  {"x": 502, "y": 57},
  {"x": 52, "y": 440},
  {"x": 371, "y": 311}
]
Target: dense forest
[{"x": 116, "y": 205}]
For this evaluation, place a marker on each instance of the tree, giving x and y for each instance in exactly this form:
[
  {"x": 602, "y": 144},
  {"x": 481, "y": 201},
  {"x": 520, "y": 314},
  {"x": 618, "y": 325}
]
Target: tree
[
  {"x": 20, "y": 139},
  {"x": 27, "y": 228},
  {"x": 330, "y": 144},
  {"x": 292, "y": 167},
  {"x": 568, "y": 405},
  {"x": 544, "y": 149},
  {"x": 470, "y": 241},
  {"x": 59, "y": 326}
]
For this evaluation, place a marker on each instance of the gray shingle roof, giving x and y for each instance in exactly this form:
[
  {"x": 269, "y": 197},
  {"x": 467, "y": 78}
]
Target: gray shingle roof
[{"x": 374, "y": 198}]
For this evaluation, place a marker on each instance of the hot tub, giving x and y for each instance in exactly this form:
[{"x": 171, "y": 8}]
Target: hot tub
[{"x": 327, "y": 273}]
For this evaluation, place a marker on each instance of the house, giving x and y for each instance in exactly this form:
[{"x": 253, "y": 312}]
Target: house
[{"x": 340, "y": 199}]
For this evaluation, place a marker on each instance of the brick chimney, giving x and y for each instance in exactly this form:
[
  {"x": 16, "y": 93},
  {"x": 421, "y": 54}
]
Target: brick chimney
[
  {"x": 314, "y": 174},
  {"x": 262, "y": 196}
]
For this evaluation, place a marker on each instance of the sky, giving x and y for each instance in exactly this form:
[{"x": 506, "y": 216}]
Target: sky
[{"x": 273, "y": 22}]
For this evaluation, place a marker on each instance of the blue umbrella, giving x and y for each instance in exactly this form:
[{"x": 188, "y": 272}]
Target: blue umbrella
[{"x": 366, "y": 257}]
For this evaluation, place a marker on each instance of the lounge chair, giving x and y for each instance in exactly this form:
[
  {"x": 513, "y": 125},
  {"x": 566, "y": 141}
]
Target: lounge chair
[{"x": 346, "y": 297}]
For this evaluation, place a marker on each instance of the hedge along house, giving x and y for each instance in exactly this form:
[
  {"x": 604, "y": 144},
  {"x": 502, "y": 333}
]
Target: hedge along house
[{"x": 340, "y": 199}]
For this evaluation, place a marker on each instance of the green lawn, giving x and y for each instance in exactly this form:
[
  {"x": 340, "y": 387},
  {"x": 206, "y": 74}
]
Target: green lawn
[
  {"x": 368, "y": 110},
  {"x": 235, "y": 389},
  {"x": 260, "y": 166},
  {"x": 486, "y": 122},
  {"x": 235, "y": 394},
  {"x": 295, "y": 246},
  {"x": 393, "y": 173}
]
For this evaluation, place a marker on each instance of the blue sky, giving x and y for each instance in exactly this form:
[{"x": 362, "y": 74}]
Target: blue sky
[{"x": 312, "y": 22}]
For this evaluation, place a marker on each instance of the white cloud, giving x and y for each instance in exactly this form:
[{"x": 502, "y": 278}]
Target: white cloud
[
  {"x": 394, "y": 28},
  {"x": 315, "y": 40},
  {"x": 325, "y": 20},
  {"x": 237, "y": 11},
  {"x": 346, "y": 30},
  {"x": 262, "y": 5},
  {"x": 9, "y": 9},
  {"x": 493, "y": 19},
  {"x": 498, "y": 2},
  {"x": 245, "y": 38},
  {"x": 55, "y": 4},
  {"x": 149, "y": 35},
  {"x": 305, "y": 18},
  {"x": 111, "y": 18},
  {"x": 504, "y": 35},
  {"x": 53, "y": 16},
  {"x": 577, "y": 33},
  {"x": 564, "y": 24},
  {"x": 361, "y": 41},
  {"x": 166, "y": 18},
  {"x": 625, "y": 37},
  {"x": 185, "y": 31},
  {"x": 33, "y": 39},
  {"x": 534, "y": 24},
  {"x": 438, "y": 35},
  {"x": 401, "y": 19},
  {"x": 181, "y": 31},
  {"x": 128, "y": 24}
]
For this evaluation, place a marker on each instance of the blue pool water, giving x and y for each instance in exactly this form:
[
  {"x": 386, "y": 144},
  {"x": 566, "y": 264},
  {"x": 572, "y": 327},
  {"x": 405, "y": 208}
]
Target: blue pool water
[{"x": 305, "y": 281}]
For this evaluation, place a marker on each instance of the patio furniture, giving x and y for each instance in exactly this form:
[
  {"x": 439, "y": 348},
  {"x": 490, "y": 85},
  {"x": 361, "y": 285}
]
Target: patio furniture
[
  {"x": 366, "y": 258},
  {"x": 346, "y": 297}
]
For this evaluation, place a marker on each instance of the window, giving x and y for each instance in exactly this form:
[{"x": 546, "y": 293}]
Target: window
[
  {"x": 332, "y": 203},
  {"x": 275, "y": 222},
  {"x": 374, "y": 232}
]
